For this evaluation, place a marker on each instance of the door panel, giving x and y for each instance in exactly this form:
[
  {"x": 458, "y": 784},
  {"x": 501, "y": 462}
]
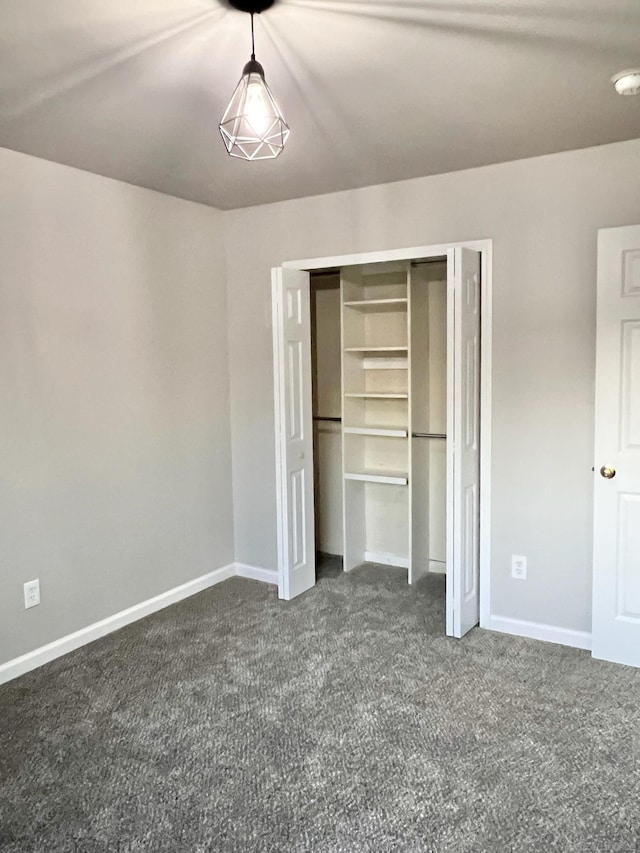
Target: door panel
[
  {"x": 630, "y": 383},
  {"x": 294, "y": 437},
  {"x": 616, "y": 546},
  {"x": 628, "y": 564},
  {"x": 463, "y": 441}
]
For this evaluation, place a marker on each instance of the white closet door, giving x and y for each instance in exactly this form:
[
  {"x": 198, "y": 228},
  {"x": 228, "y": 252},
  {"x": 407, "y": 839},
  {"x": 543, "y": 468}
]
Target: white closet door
[
  {"x": 463, "y": 441},
  {"x": 294, "y": 431},
  {"x": 616, "y": 546}
]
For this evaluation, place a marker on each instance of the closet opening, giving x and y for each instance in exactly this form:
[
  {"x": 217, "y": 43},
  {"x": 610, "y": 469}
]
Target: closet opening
[
  {"x": 326, "y": 395},
  {"x": 379, "y": 404},
  {"x": 378, "y": 365}
]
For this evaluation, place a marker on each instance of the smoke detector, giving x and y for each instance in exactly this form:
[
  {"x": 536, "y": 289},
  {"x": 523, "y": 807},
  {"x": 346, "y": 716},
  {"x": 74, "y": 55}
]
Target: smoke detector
[{"x": 627, "y": 82}]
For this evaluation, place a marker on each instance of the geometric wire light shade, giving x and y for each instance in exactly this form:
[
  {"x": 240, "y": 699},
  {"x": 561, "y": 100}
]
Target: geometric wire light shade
[{"x": 253, "y": 127}]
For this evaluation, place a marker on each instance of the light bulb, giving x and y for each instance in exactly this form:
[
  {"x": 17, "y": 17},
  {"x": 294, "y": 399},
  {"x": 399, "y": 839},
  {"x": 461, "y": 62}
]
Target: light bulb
[{"x": 257, "y": 108}]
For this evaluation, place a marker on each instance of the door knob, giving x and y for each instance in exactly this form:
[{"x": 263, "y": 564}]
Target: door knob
[{"x": 607, "y": 472}]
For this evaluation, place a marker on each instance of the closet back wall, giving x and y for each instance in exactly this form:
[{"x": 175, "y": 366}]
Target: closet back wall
[
  {"x": 114, "y": 413},
  {"x": 429, "y": 400},
  {"x": 327, "y": 403},
  {"x": 543, "y": 215}
]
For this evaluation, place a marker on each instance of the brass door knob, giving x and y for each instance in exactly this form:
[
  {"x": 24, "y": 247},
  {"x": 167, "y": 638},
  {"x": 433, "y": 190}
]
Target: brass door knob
[{"x": 607, "y": 472}]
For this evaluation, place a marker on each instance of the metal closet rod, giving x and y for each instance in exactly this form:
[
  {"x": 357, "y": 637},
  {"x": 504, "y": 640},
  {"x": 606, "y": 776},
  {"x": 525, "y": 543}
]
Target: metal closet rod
[
  {"x": 430, "y": 261},
  {"x": 413, "y": 434},
  {"x": 428, "y": 435}
]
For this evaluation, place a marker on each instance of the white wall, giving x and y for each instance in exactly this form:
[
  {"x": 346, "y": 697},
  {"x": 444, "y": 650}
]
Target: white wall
[
  {"x": 543, "y": 215},
  {"x": 114, "y": 413}
]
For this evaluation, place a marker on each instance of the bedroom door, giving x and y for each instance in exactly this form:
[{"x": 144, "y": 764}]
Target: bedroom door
[{"x": 616, "y": 547}]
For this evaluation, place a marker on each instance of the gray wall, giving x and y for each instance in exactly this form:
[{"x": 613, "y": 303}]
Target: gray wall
[
  {"x": 543, "y": 215},
  {"x": 114, "y": 412},
  {"x": 114, "y": 392}
]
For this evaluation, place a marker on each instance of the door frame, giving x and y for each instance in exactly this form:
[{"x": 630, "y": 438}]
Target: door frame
[{"x": 485, "y": 248}]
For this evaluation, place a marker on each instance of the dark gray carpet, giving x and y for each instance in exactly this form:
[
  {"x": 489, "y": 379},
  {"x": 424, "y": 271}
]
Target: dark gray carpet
[{"x": 343, "y": 721}]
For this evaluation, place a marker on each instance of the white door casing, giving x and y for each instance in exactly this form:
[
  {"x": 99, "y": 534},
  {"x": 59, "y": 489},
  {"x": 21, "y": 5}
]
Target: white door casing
[
  {"x": 616, "y": 545},
  {"x": 294, "y": 431},
  {"x": 463, "y": 441},
  {"x": 286, "y": 587}
]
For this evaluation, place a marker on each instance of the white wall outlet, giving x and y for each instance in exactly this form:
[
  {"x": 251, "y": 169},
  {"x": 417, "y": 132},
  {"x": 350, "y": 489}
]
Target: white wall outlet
[
  {"x": 518, "y": 567},
  {"x": 31, "y": 593}
]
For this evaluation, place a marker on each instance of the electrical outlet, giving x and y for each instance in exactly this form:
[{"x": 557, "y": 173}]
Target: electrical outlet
[
  {"x": 31, "y": 594},
  {"x": 518, "y": 567}
]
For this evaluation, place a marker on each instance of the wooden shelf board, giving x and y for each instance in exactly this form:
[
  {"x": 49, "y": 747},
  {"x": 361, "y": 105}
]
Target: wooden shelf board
[
  {"x": 392, "y": 478},
  {"x": 381, "y": 350},
  {"x": 375, "y": 395},
  {"x": 391, "y": 304},
  {"x": 391, "y": 432}
]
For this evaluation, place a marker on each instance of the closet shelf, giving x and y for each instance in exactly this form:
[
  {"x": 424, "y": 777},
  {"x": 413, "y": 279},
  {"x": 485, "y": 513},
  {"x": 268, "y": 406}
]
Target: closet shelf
[
  {"x": 381, "y": 350},
  {"x": 391, "y": 432},
  {"x": 395, "y": 304},
  {"x": 376, "y": 395},
  {"x": 392, "y": 478}
]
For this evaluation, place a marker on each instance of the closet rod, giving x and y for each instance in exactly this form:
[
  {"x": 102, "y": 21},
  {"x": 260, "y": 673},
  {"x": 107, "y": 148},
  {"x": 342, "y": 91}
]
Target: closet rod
[
  {"x": 430, "y": 261},
  {"x": 336, "y": 420},
  {"x": 428, "y": 435}
]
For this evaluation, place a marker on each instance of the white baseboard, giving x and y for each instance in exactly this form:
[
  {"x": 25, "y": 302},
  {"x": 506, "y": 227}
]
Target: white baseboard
[
  {"x": 437, "y": 567},
  {"x": 386, "y": 559},
  {"x": 25, "y": 663},
  {"x": 539, "y": 631},
  {"x": 256, "y": 574}
]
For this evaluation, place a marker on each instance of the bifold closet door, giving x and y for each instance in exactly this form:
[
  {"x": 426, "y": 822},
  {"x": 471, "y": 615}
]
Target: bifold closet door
[
  {"x": 463, "y": 441},
  {"x": 294, "y": 431}
]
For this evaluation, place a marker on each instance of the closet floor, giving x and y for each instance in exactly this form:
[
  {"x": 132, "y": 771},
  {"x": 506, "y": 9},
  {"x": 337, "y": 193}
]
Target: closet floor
[{"x": 329, "y": 566}]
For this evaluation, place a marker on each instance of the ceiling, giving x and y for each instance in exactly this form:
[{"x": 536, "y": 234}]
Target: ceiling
[{"x": 373, "y": 90}]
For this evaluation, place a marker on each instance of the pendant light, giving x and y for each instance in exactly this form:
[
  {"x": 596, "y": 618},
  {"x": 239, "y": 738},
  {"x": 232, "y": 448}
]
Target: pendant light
[{"x": 253, "y": 127}]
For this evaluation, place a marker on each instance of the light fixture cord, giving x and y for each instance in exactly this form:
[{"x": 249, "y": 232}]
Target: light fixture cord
[{"x": 253, "y": 46}]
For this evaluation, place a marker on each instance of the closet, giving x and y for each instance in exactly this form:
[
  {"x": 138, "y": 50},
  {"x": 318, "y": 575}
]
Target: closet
[
  {"x": 410, "y": 496},
  {"x": 379, "y": 350}
]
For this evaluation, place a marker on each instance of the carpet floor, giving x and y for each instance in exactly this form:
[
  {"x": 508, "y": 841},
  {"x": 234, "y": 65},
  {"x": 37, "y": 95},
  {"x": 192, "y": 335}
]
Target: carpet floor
[{"x": 342, "y": 721}]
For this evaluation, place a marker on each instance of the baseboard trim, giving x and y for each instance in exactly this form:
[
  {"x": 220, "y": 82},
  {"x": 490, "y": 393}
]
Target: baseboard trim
[
  {"x": 540, "y": 631},
  {"x": 32, "y": 660},
  {"x": 255, "y": 573}
]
